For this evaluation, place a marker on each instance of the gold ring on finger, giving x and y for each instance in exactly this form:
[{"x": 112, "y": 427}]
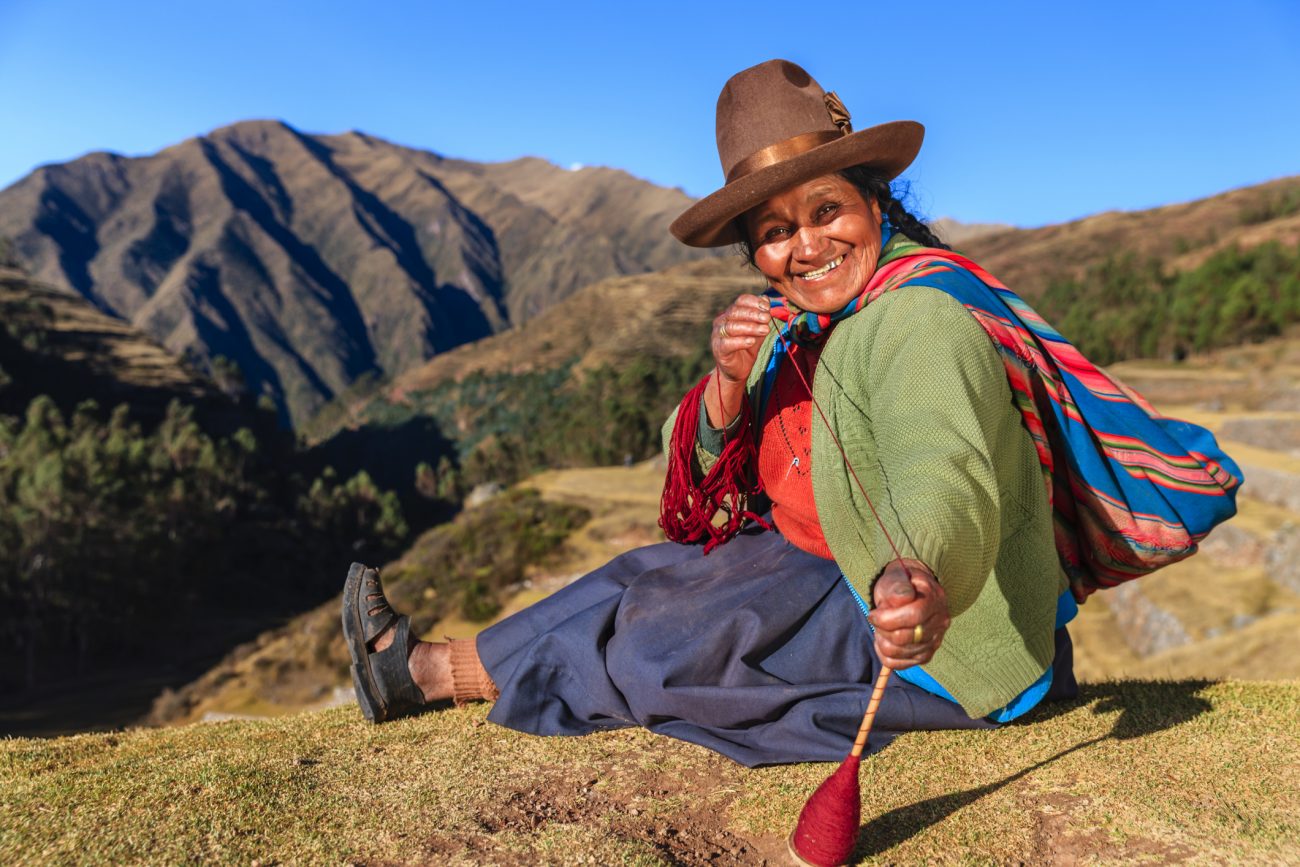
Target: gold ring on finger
[
  {"x": 917, "y": 634},
  {"x": 722, "y": 330}
]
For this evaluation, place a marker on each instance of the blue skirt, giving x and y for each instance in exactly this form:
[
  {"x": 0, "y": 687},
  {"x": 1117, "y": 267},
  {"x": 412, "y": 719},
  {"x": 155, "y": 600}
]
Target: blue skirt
[{"x": 757, "y": 651}]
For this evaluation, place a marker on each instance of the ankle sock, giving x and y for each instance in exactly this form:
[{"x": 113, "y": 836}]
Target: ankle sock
[{"x": 469, "y": 679}]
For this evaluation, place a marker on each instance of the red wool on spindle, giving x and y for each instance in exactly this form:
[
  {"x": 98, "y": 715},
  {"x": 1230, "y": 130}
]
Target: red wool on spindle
[{"x": 828, "y": 825}]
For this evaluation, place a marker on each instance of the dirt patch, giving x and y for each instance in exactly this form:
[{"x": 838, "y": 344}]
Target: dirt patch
[
  {"x": 683, "y": 820},
  {"x": 1055, "y": 839},
  {"x": 1060, "y": 839}
]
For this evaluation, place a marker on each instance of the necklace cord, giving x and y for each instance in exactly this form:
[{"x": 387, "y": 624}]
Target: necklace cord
[
  {"x": 722, "y": 407},
  {"x": 843, "y": 455}
]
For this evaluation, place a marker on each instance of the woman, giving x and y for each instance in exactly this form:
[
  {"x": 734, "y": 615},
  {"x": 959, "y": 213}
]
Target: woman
[{"x": 909, "y": 479}]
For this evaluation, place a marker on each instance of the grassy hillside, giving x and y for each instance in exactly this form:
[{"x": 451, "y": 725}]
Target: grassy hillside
[
  {"x": 1183, "y": 235},
  {"x": 1132, "y": 772}
]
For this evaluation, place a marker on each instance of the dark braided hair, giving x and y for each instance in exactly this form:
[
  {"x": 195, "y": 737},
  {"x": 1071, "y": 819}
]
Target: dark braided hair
[{"x": 872, "y": 186}]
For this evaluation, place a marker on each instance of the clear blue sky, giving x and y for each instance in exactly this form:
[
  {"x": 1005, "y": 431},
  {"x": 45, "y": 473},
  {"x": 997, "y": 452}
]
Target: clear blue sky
[{"x": 1035, "y": 112}]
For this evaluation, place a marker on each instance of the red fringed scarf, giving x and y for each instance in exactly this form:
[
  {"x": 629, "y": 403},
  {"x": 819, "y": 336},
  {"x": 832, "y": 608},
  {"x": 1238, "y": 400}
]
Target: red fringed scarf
[{"x": 687, "y": 509}]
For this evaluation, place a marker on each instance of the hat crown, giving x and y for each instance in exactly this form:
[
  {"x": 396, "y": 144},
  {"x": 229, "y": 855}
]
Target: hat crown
[
  {"x": 765, "y": 105},
  {"x": 776, "y": 129}
]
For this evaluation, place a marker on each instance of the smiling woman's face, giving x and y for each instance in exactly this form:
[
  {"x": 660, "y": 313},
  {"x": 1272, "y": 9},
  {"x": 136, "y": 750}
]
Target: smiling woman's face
[{"x": 817, "y": 243}]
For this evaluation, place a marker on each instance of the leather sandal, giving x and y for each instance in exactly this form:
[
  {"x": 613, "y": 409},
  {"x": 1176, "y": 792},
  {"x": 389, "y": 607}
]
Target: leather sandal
[{"x": 384, "y": 686}]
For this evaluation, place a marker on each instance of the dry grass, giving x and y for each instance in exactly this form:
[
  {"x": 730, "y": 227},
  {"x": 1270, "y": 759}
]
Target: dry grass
[
  {"x": 1188, "y": 771},
  {"x": 1262, "y": 519},
  {"x": 1211, "y": 599},
  {"x": 623, "y": 501}
]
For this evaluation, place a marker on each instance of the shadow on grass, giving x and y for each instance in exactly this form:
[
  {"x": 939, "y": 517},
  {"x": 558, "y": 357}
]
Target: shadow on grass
[{"x": 1145, "y": 708}]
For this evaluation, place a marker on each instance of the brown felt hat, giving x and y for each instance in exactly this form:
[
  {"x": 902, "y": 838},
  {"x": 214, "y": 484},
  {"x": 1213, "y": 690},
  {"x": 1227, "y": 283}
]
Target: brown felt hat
[{"x": 776, "y": 129}]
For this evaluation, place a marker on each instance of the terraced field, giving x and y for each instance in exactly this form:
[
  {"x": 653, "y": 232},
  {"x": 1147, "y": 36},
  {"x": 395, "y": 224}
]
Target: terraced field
[{"x": 1233, "y": 610}]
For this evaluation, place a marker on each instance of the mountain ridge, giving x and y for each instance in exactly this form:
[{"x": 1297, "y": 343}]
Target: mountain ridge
[
  {"x": 1182, "y": 234},
  {"x": 652, "y": 313},
  {"x": 310, "y": 260}
]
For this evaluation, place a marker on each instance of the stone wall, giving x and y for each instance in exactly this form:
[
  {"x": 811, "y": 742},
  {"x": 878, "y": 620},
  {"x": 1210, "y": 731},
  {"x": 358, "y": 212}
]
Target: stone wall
[{"x": 1147, "y": 628}]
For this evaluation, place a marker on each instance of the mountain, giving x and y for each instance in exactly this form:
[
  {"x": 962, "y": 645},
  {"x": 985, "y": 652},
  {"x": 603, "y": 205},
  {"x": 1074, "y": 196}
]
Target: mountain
[
  {"x": 312, "y": 260},
  {"x": 664, "y": 313}
]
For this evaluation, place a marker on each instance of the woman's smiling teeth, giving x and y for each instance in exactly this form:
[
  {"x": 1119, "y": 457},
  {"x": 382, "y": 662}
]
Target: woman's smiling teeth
[{"x": 822, "y": 271}]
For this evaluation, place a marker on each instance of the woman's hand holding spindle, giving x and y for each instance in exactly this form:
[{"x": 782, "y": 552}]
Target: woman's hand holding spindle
[{"x": 903, "y": 599}]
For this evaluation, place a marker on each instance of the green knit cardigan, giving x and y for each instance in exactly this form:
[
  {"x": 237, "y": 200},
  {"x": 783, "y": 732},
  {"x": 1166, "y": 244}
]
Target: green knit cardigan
[{"x": 919, "y": 399}]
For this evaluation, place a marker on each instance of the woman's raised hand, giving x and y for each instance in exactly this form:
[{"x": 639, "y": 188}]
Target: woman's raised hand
[
  {"x": 901, "y": 603},
  {"x": 737, "y": 334}
]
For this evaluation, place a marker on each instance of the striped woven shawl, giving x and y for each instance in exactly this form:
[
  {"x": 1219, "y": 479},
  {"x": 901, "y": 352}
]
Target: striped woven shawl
[{"x": 1130, "y": 489}]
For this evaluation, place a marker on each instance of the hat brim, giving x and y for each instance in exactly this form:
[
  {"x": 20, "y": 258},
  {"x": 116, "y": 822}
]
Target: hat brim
[{"x": 889, "y": 148}]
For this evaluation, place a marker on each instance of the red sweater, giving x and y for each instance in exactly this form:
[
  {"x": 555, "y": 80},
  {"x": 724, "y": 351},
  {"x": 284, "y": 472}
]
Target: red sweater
[{"x": 785, "y": 454}]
